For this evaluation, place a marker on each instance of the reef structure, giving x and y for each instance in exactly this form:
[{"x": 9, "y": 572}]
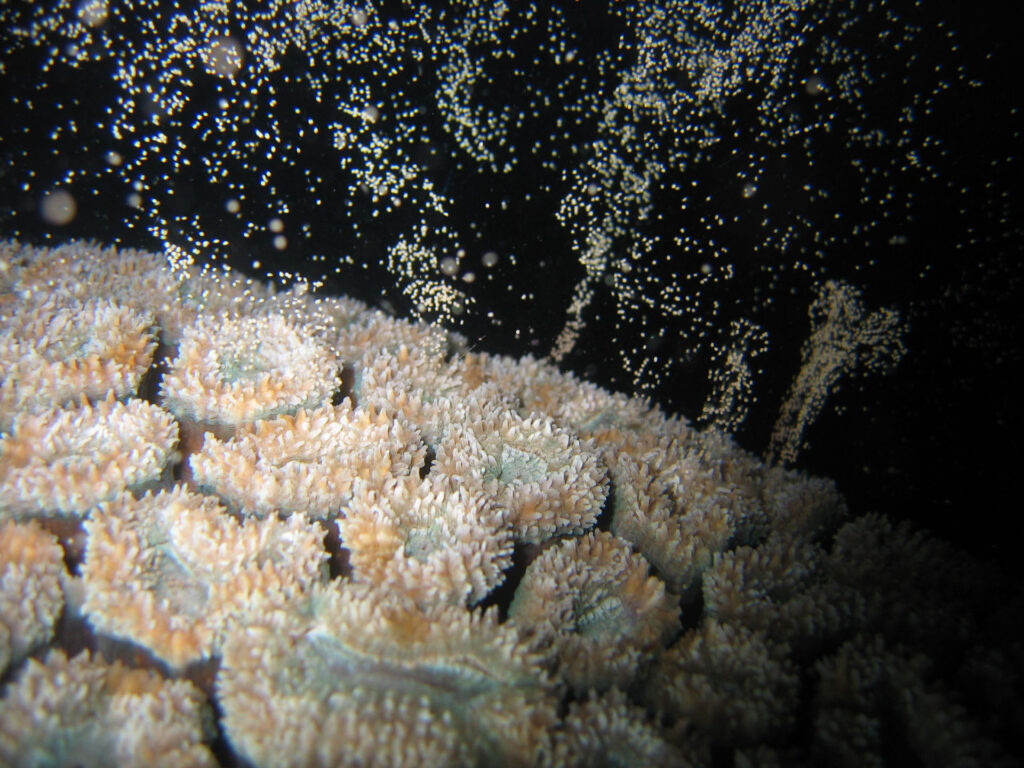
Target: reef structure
[{"x": 421, "y": 555}]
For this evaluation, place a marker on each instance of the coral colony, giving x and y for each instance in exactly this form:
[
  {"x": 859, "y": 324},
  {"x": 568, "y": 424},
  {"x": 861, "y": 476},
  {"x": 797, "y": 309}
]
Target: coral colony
[
  {"x": 249, "y": 522},
  {"x": 356, "y": 542}
]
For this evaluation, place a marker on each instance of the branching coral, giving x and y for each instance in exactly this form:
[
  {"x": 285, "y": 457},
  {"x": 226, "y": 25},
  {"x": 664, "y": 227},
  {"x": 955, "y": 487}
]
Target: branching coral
[
  {"x": 429, "y": 391},
  {"x": 428, "y": 374},
  {"x": 798, "y": 505},
  {"x": 373, "y": 332},
  {"x": 544, "y": 388}
]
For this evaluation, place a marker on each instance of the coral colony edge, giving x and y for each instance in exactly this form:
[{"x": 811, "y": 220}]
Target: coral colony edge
[{"x": 245, "y": 526}]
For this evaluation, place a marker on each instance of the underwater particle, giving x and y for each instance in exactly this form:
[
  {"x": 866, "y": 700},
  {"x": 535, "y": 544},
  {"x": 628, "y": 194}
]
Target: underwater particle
[
  {"x": 224, "y": 57},
  {"x": 666, "y": 99},
  {"x": 93, "y": 13},
  {"x": 732, "y": 376},
  {"x": 844, "y": 340},
  {"x": 58, "y": 207}
]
